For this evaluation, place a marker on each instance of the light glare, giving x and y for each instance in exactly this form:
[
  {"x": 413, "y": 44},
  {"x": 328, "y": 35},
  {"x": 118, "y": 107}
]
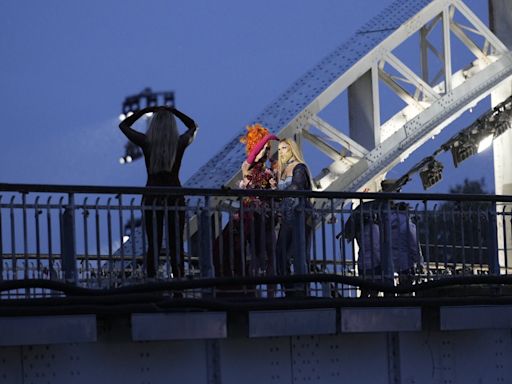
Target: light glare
[{"x": 485, "y": 143}]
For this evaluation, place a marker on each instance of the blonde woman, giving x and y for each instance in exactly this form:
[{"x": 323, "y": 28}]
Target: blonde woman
[
  {"x": 163, "y": 148},
  {"x": 293, "y": 175}
]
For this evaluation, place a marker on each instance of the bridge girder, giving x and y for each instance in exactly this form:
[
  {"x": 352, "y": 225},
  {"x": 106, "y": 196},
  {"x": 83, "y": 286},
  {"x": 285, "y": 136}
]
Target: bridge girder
[{"x": 361, "y": 66}]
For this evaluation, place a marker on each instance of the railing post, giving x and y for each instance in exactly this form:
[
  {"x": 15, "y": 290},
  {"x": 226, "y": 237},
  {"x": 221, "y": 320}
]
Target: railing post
[
  {"x": 492, "y": 246},
  {"x": 205, "y": 237},
  {"x": 299, "y": 267},
  {"x": 68, "y": 243},
  {"x": 388, "y": 269}
]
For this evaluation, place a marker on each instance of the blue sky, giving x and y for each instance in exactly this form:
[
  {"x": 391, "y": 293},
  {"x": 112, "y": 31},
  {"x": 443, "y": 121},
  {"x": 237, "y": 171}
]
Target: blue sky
[{"x": 66, "y": 67}]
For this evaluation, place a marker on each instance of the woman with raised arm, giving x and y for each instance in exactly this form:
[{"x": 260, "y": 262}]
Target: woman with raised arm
[
  {"x": 293, "y": 175},
  {"x": 163, "y": 148}
]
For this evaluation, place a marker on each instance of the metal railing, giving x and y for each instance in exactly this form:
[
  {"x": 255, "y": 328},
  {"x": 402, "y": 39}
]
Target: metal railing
[{"x": 253, "y": 243}]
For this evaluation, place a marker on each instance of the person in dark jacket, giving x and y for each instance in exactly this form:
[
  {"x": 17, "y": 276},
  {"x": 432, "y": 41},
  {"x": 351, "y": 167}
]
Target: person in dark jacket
[
  {"x": 364, "y": 225},
  {"x": 293, "y": 175},
  {"x": 387, "y": 239},
  {"x": 163, "y": 148}
]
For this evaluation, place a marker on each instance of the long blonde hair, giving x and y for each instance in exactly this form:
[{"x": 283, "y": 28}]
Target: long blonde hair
[
  {"x": 163, "y": 136},
  {"x": 296, "y": 153}
]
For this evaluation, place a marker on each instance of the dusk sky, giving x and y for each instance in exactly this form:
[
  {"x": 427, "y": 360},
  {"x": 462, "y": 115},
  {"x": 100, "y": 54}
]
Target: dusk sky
[{"x": 66, "y": 67}]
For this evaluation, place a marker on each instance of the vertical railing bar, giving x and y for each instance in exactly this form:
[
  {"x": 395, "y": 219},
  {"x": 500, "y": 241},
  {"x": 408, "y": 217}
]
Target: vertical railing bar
[
  {"x": 242, "y": 239},
  {"x": 453, "y": 239},
  {"x": 49, "y": 232},
  {"x": 371, "y": 216},
  {"x": 220, "y": 255},
  {"x": 121, "y": 235},
  {"x": 333, "y": 234},
  {"x": 109, "y": 238},
  {"x": 188, "y": 236},
  {"x": 388, "y": 270},
  {"x": 166, "y": 224},
  {"x": 38, "y": 238},
  {"x": 302, "y": 265},
  {"x": 262, "y": 257},
  {"x": 252, "y": 240},
  {"x": 314, "y": 255},
  {"x": 144, "y": 238},
  {"x": 436, "y": 238},
  {"x": 60, "y": 236},
  {"x": 13, "y": 241},
  {"x": 504, "y": 228},
  {"x": 480, "y": 235},
  {"x": 198, "y": 235},
  {"x": 462, "y": 237},
  {"x": 156, "y": 246},
  {"x": 98, "y": 241},
  {"x": 178, "y": 238},
  {"x": 510, "y": 223},
  {"x": 445, "y": 239},
  {"x": 1, "y": 244},
  {"x": 85, "y": 214},
  {"x": 343, "y": 251},
  {"x": 273, "y": 233},
  {"x": 427, "y": 233},
  {"x": 324, "y": 235},
  {"x": 25, "y": 234},
  {"x": 362, "y": 246},
  {"x": 471, "y": 239},
  {"x": 231, "y": 241},
  {"x": 132, "y": 237}
]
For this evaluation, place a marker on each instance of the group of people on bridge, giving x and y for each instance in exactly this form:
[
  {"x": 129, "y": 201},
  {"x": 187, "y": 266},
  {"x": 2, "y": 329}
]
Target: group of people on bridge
[{"x": 163, "y": 148}]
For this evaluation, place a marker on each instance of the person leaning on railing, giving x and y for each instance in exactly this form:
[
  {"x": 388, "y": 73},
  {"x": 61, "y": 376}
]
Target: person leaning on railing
[{"x": 163, "y": 148}]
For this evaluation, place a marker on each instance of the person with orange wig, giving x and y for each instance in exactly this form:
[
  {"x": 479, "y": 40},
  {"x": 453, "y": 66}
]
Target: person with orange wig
[{"x": 256, "y": 222}]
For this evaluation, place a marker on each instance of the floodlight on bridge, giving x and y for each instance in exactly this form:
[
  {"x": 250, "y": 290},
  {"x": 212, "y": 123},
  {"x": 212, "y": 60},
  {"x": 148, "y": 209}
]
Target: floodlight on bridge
[
  {"x": 462, "y": 149},
  {"x": 131, "y": 152},
  {"x": 131, "y": 104},
  {"x": 431, "y": 173},
  {"x": 146, "y": 98}
]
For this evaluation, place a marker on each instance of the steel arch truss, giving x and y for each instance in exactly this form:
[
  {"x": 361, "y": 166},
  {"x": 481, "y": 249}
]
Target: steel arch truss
[
  {"x": 431, "y": 103},
  {"x": 360, "y": 66}
]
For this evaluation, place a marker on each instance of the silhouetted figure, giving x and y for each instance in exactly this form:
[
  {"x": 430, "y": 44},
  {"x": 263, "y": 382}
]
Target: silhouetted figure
[
  {"x": 163, "y": 149},
  {"x": 387, "y": 240}
]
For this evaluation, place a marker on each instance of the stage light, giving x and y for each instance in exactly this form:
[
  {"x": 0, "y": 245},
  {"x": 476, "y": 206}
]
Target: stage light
[
  {"x": 461, "y": 151},
  {"x": 431, "y": 173},
  {"x": 485, "y": 143},
  {"x": 169, "y": 99},
  {"x": 131, "y": 104}
]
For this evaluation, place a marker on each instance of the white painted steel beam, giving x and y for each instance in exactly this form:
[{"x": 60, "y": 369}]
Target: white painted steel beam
[{"x": 372, "y": 45}]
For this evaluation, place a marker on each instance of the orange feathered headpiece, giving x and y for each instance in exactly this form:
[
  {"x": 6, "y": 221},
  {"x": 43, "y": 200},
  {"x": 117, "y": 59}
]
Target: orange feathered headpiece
[{"x": 255, "y": 133}]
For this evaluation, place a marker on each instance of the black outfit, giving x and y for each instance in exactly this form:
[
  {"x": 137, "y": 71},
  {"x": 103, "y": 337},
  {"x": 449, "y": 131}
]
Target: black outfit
[
  {"x": 256, "y": 230},
  {"x": 154, "y": 218},
  {"x": 289, "y": 232}
]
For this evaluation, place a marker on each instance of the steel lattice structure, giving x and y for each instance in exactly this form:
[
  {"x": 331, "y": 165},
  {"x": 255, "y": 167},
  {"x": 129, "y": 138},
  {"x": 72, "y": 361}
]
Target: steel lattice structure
[{"x": 360, "y": 66}]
